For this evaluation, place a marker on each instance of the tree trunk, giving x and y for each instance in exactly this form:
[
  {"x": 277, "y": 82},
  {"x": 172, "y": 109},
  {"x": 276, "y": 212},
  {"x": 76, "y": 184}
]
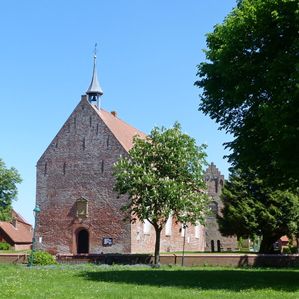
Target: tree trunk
[
  {"x": 157, "y": 246},
  {"x": 267, "y": 244}
]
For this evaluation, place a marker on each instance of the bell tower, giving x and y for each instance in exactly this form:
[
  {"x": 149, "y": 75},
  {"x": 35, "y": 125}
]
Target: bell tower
[{"x": 94, "y": 91}]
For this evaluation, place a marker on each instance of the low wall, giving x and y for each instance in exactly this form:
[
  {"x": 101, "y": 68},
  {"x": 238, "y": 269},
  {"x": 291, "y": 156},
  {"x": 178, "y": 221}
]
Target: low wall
[
  {"x": 127, "y": 259},
  {"x": 13, "y": 258},
  {"x": 234, "y": 260}
]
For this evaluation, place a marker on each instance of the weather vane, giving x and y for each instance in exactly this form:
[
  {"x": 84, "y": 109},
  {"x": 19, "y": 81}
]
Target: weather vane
[{"x": 95, "y": 50}]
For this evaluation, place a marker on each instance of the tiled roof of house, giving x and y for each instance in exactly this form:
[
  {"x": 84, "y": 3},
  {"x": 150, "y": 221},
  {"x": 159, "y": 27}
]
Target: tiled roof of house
[
  {"x": 123, "y": 132},
  {"x": 19, "y": 217},
  {"x": 21, "y": 233}
]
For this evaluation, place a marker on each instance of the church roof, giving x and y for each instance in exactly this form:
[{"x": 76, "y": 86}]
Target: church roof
[{"x": 122, "y": 131}]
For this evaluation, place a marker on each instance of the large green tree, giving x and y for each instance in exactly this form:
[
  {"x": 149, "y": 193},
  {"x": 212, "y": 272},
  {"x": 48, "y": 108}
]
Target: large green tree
[
  {"x": 250, "y": 85},
  {"x": 9, "y": 178},
  {"x": 163, "y": 176},
  {"x": 253, "y": 209}
]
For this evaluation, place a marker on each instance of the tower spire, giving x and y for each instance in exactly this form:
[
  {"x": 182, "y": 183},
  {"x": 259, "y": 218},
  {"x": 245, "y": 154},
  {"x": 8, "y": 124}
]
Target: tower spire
[{"x": 94, "y": 91}]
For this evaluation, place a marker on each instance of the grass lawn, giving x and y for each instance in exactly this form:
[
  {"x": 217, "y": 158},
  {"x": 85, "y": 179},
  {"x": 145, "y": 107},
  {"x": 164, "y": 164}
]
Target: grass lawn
[{"x": 91, "y": 281}]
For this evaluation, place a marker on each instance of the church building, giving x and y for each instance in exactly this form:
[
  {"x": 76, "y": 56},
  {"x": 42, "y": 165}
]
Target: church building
[{"x": 80, "y": 212}]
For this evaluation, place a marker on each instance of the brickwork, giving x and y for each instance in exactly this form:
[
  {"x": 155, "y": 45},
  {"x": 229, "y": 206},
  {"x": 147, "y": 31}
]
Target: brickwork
[
  {"x": 78, "y": 164},
  {"x": 78, "y": 205},
  {"x": 214, "y": 240}
]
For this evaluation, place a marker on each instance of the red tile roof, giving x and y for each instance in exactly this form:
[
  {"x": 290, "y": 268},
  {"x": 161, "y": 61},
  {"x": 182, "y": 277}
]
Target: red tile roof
[
  {"x": 284, "y": 239},
  {"x": 123, "y": 132},
  {"x": 22, "y": 233}
]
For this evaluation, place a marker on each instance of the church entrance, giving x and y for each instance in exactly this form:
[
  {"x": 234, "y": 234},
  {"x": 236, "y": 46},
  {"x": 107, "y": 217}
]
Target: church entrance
[{"x": 82, "y": 241}]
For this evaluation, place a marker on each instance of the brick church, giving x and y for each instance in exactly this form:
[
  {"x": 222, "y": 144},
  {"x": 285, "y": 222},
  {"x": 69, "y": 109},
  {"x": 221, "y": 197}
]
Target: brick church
[{"x": 80, "y": 212}]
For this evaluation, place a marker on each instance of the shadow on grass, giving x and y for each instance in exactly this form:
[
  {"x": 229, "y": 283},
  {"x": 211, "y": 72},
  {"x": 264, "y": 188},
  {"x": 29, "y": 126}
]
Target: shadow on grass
[{"x": 210, "y": 279}]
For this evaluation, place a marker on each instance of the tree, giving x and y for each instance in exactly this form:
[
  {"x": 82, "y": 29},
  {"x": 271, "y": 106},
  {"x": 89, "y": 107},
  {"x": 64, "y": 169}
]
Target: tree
[
  {"x": 250, "y": 87},
  {"x": 163, "y": 176},
  {"x": 253, "y": 209},
  {"x": 8, "y": 189}
]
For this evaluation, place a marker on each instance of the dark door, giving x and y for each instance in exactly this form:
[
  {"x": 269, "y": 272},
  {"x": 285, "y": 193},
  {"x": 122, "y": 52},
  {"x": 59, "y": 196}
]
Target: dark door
[
  {"x": 212, "y": 246},
  {"x": 83, "y": 241},
  {"x": 218, "y": 246}
]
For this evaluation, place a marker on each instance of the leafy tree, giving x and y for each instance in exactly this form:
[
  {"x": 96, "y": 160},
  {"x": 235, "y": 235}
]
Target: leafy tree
[
  {"x": 8, "y": 189},
  {"x": 251, "y": 208},
  {"x": 250, "y": 87},
  {"x": 163, "y": 176}
]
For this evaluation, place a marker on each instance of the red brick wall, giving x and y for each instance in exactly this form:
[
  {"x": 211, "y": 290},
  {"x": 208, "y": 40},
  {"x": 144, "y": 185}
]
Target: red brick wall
[{"x": 71, "y": 168}]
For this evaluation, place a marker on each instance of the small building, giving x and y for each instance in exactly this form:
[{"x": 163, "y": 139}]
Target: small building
[{"x": 17, "y": 232}]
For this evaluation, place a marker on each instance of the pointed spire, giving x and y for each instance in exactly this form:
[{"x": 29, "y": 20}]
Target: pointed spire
[{"x": 94, "y": 91}]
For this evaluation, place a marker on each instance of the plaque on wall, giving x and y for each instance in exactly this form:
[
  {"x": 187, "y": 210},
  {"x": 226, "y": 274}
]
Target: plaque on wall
[{"x": 107, "y": 241}]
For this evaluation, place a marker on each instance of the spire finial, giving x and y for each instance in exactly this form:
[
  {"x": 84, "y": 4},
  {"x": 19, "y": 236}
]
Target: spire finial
[
  {"x": 94, "y": 91},
  {"x": 95, "y": 50}
]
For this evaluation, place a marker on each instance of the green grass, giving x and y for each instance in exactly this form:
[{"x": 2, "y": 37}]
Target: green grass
[{"x": 90, "y": 281}]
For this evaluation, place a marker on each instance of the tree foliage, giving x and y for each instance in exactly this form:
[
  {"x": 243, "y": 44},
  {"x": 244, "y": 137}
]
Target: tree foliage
[
  {"x": 250, "y": 87},
  {"x": 9, "y": 178},
  {"x": 253, "y": 209},
  {"x": 163, "y": 176}
]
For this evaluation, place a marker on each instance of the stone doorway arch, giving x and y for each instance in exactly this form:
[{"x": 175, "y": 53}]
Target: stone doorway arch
[{"x": 82, "y": 241}]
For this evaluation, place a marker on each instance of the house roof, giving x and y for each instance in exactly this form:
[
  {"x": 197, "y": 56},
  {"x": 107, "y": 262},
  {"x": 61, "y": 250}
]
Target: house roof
[
  {"x": 19, "y": 217},
  {"x": 22, "y": 233},
  {"x": 123, "y": 132}
]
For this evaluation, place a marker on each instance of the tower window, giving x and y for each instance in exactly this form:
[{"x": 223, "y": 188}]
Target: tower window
[
  {"x": 107, "y": 142},
  {"x": 216, "y": 185},
  {"x": 75, "y": 122},
  {"x": 97, "y": 132},
  {"x": 102, "y": 166},
  {"x": 46, "y": 168},
  {"x": 83, "y": 143},
  {"x": 64, "y": 168},
  {"x": 90, "y": 121}
]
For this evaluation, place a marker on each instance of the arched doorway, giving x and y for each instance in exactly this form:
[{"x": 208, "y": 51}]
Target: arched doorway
[
  {"x": 218, "y": 246},
  {"x": 82, "y": 241},
  {"x": 212, "y": 246}
]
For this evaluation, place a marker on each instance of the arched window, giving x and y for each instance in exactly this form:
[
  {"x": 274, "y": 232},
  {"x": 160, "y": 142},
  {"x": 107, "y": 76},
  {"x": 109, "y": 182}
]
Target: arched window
[
  {"x": 168, "y": 226},
  {"x": 214, "y": 208},
  {"x": 147, "y": 227}
]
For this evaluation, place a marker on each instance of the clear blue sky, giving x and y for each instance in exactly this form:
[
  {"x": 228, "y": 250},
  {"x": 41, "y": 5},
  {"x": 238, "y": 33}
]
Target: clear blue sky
[{"x": 147, "y": 56}]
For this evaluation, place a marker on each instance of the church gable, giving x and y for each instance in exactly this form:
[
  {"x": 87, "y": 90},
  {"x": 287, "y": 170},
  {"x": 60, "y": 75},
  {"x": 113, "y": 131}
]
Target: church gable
[{"x": 83, "y": 135}]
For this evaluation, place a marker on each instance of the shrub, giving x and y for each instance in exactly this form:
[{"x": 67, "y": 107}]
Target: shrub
[
  {"x": 4, "y": 246},
  {"x": 290, "y": 250},
  {"x": 43, "y": 258}
]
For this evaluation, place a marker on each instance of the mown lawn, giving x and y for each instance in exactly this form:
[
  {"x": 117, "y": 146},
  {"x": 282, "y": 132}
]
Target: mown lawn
[{"x": 91, "y": 281}]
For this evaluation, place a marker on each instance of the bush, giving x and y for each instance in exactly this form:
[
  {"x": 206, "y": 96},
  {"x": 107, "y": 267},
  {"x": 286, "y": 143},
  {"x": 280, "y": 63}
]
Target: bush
[
  {"x": 290, "y": 250},
  {"x": 43, "y": 258},
  {"x": 4, "y": 246}
]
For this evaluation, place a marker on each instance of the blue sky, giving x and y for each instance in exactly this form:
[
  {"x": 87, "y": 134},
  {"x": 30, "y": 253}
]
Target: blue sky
[{"x": 147, "y": 56}]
